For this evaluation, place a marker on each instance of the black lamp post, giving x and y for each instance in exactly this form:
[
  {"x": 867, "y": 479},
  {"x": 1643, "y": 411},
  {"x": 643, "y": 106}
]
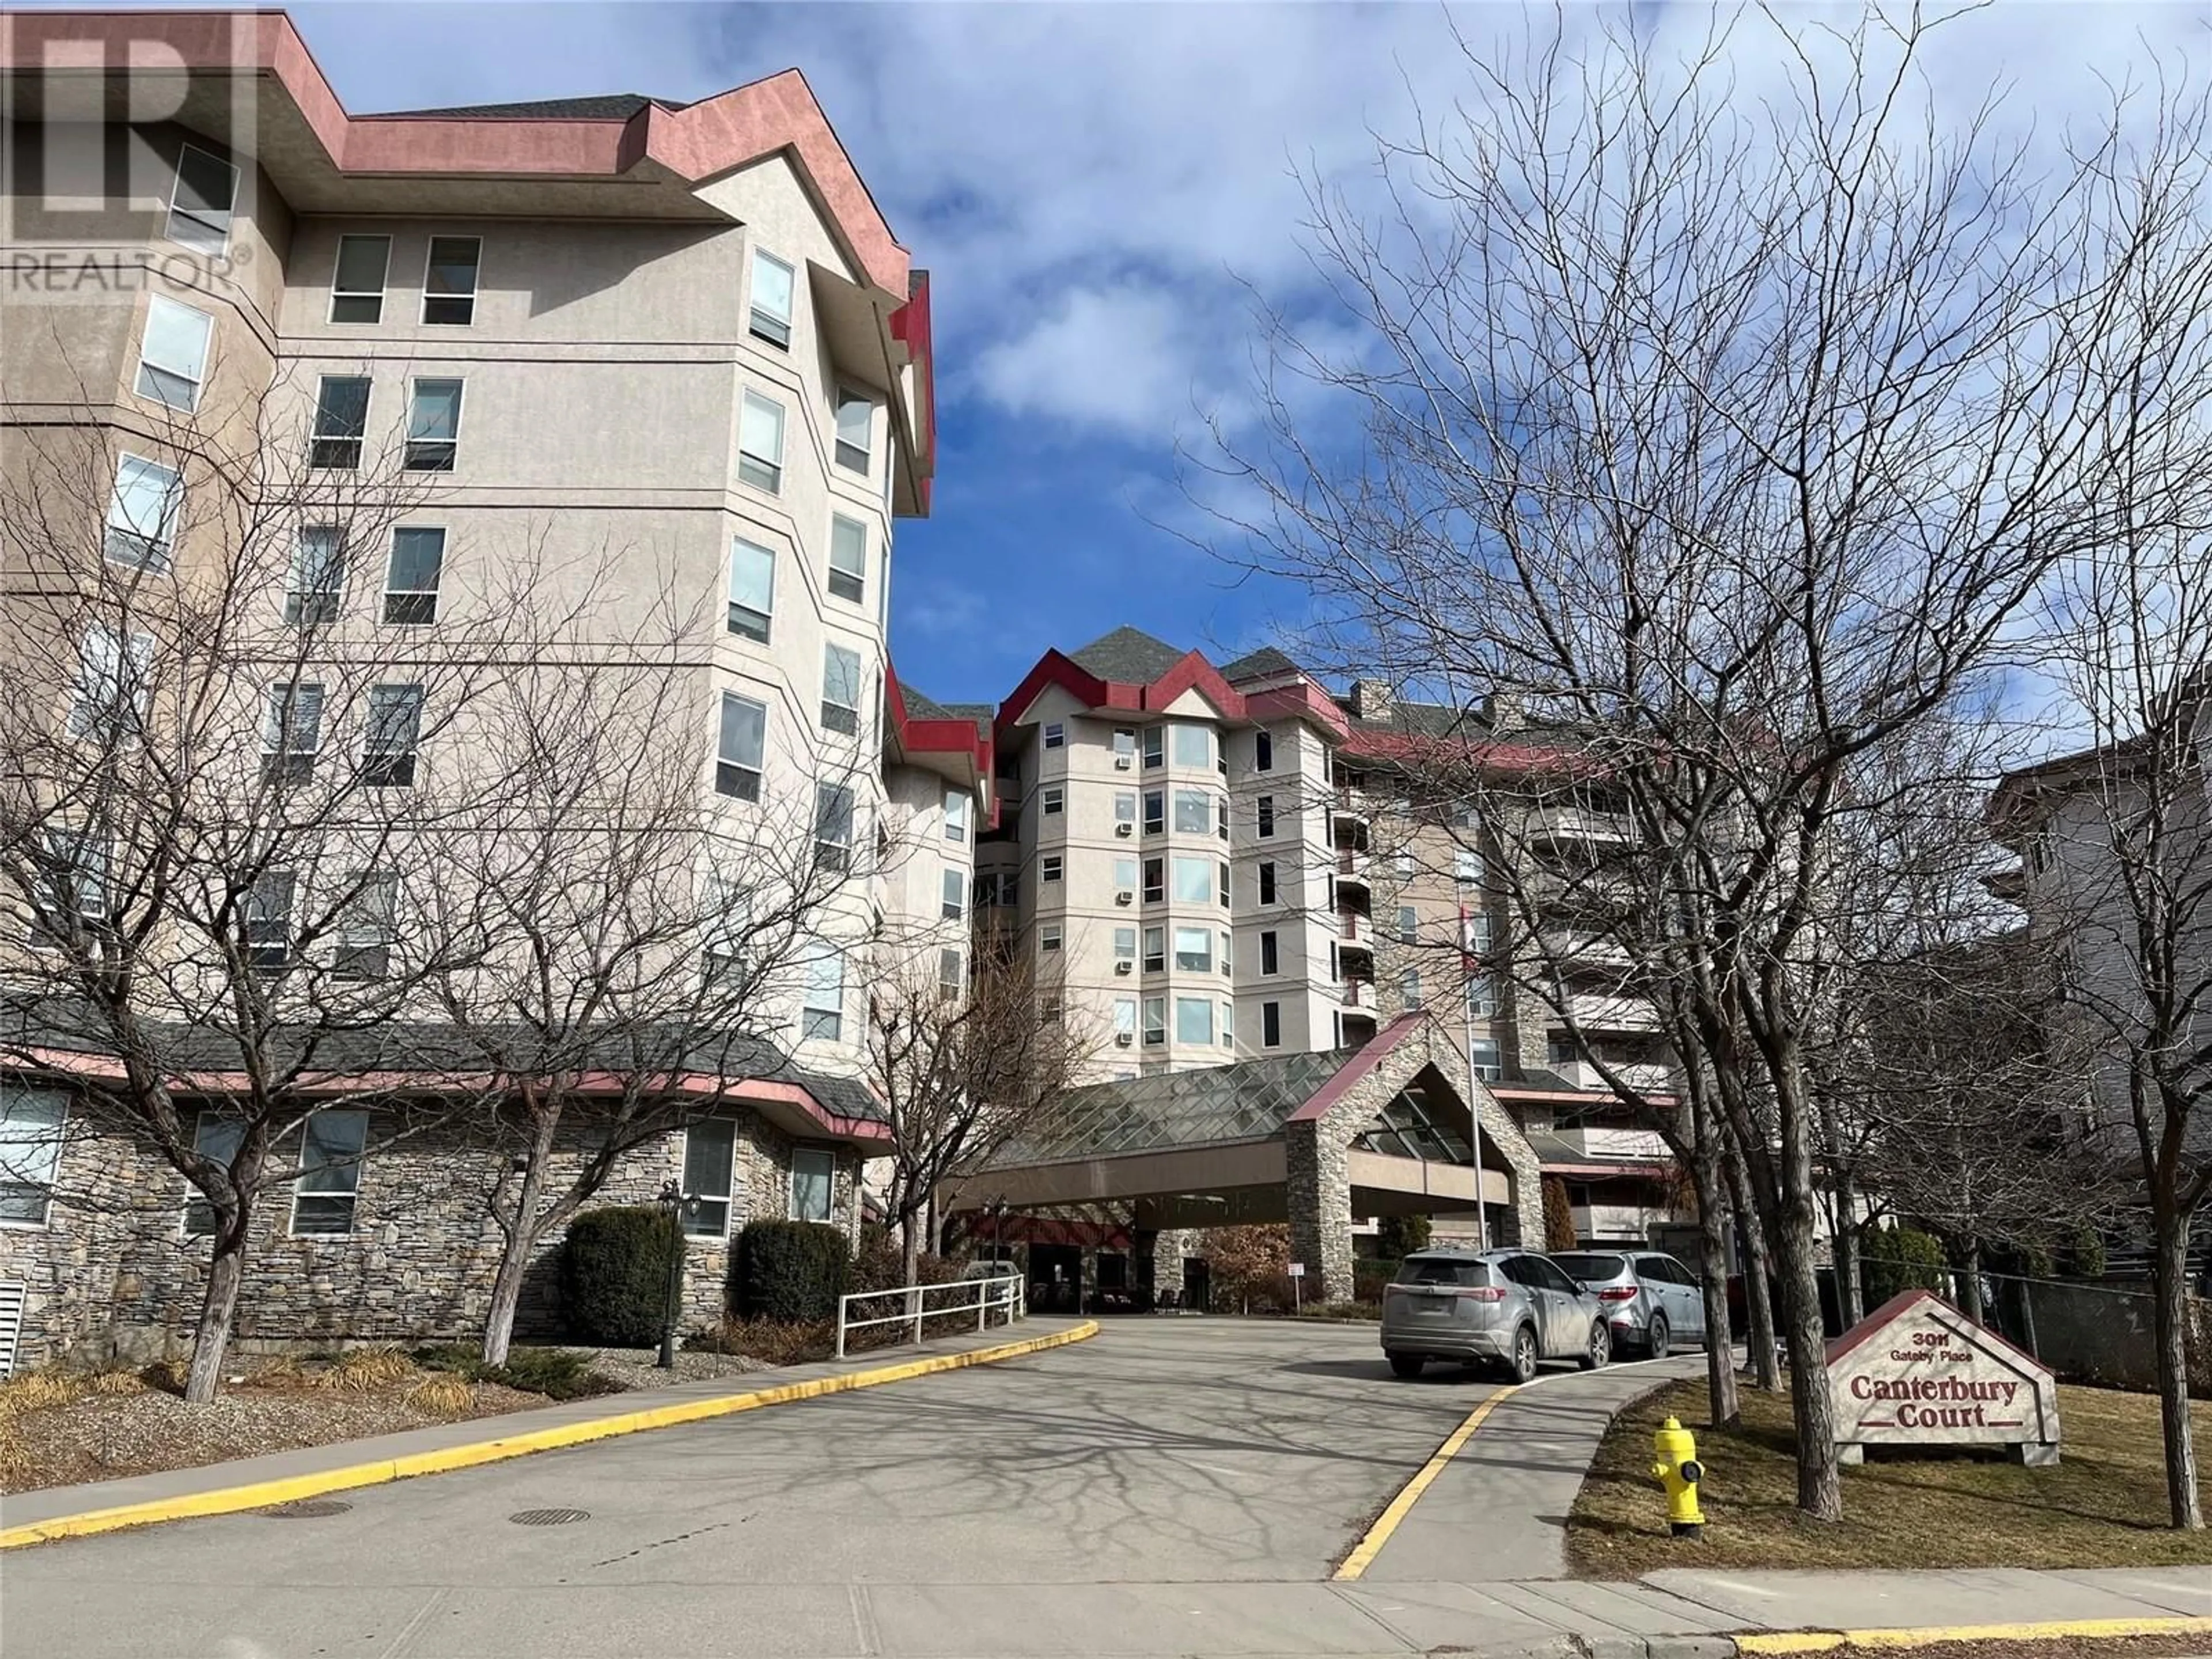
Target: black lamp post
[
  {"x": 996, "y": 1209},
  {"x": 671, "y": 1196}
]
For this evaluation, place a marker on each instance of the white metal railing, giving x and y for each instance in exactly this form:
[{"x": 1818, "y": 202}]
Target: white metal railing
[{"x": 1006, "y": 1293}]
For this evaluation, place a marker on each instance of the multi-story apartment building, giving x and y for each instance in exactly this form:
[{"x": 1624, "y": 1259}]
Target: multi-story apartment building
[
  {"x": 1231, "y": 862},
  {"x": 659, "y": 372}
]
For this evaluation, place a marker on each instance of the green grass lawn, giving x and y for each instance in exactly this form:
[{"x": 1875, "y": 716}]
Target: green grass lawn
[{"x": 2103, "y": 1506}]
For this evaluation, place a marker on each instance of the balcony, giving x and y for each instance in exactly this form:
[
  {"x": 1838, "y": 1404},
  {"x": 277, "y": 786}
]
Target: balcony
[
  {"x": 1601, "y": 1011},
  {"x": 1355, "y": 945},
  {"x": 1353, "y": 884},
  {"x": 1347, "y": 819},
  {"x": 1358, "y": 1015},
  {"x": 1578, "y": 950},
  {"x": 1592, "y": 1144},
  {"x": 1650, "y": 1077},
  {"x": 1565, "y": 824}
]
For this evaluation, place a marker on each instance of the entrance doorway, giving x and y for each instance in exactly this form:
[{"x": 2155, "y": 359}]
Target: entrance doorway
[{"x": 1056, "y": 1278}]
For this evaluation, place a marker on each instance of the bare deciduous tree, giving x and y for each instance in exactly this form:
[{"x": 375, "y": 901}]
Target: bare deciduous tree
[{"x": 1739, "y": 438}]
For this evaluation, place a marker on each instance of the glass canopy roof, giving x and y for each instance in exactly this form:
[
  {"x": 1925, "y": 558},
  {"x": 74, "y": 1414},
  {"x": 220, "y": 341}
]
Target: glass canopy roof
[
  {"x": 1249, "y": 1101},
  {"x": 1408, "y": 1127}
]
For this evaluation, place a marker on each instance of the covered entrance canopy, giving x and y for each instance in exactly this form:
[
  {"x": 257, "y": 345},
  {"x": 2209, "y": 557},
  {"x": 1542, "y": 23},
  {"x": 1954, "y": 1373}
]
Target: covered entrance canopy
[{"x": 1311, "y": 1140}]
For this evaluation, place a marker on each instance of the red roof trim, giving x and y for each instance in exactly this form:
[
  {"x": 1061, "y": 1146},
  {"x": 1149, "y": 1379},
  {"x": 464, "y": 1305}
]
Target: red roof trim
[
  {"x": 911, "y": 328},
  {"x": 945, "y": 737},
  {"x": 1872, "y": 1324},
  {"x": 1380, "y": 1047},
  {"x": 712, "y": 137}
]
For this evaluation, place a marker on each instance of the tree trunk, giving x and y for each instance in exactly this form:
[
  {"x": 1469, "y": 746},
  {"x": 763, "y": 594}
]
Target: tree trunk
[
  {"x": 218, "y": 1308},
  {"x": 1851, "y": 1294},
  {"x": 1812, "y": 1409},
  {"x": 1713, "y": 1278},
  {"x": 1758, "y": 1303},
  {"x": 520, "y": 1242},
  {"x": 2171, "y": 1272},
  {"x": 1970, "y": 1270},
  {"x": 910, "y": 1229}
]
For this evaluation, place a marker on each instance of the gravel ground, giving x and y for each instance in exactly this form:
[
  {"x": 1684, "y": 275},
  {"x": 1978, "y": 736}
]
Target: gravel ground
[
  {"x": 633, "y": 1368},
  {"x": 105, "y": 1436}
]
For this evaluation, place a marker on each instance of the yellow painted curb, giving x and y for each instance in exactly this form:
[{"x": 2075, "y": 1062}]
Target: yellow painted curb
[
  {"x": 1822, "y": 1641},
  {"x": 229, "y": 1500},
  {"x": 1364, "y": 1553}
]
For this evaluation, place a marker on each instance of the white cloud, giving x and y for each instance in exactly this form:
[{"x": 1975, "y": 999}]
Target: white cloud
[{"x": 1120, "y": 358}]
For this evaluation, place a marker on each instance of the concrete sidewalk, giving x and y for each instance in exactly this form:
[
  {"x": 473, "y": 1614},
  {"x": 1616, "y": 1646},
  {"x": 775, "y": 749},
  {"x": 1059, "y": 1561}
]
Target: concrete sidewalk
[{"x": 487, "y": 1439}]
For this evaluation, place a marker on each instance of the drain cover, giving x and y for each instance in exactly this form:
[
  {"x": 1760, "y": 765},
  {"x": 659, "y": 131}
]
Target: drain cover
[
  {"x": 307, "y": 1508},
  {"x": 548, "y": 1517}
]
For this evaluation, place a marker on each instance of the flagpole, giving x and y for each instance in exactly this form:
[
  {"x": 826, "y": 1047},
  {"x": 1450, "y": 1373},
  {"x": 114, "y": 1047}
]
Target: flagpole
[{"x": 1467, "y": 964}]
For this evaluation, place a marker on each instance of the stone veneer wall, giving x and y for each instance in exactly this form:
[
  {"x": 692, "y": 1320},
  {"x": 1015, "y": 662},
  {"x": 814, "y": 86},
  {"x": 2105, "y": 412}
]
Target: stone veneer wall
[{"x": 111, "y": 1271}]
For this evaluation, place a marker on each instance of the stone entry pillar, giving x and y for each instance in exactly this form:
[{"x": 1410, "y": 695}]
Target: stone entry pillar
[{"x": 1319, "y": 1201}]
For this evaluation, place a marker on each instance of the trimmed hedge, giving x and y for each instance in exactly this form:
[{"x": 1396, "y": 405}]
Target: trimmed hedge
[
  {"x": 614, "y": 1275},
  {"x": 790, "y": 1272}
]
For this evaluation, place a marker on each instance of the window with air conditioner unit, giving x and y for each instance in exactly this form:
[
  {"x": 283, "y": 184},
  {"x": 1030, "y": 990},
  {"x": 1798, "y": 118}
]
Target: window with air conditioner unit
[
  {"x": 1123, "y": 831},
  {"x": 1125, "y": 948},
  {"x": 1124, "y": 895},
  {"x": 1125, "y": 1022},
  {"x": 1123, "y": 967}
]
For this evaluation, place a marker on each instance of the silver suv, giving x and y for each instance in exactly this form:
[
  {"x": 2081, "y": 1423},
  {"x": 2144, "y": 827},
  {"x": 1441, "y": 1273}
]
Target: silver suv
[
  {"x": 1508, "y": 1308},
  {"x": 1651, "y": 1300}
]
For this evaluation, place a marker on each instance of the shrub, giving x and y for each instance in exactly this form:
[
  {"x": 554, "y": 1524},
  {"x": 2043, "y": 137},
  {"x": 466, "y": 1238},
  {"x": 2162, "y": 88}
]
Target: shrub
[
  {"x": 768, "y": 1341},
  {"x": 614, "y": 1275},
  {"x": 791, "y": 1272},
  {"x": 1399, "y": 1235},
  {"x": 441, "y": 1394},
  {"x": 1559, "y": 1215},
  {"x": 2085, "y": 1254},
  {"x": 1899, "y": 1259},
  {"x": 557, "y": 1373},
  {"x": 1370, "y": 1279},
  {"x": 362, "y": 1370}
]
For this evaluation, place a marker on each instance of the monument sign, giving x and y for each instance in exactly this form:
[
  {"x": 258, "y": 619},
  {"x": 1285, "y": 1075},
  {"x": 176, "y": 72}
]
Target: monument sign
[{"x": 1918, "y": 1372}]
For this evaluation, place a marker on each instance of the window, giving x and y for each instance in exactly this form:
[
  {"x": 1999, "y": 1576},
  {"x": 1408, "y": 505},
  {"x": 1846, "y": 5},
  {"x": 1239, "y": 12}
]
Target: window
[
  {"x": 856, "y": 419},
  {"x": 1482, "y": 995},
  {"x": 341, "y": 418},
  {"x": 449, "y": 280},
  {"x": 1193, "y": 1019},
  {"x": 31, "y": 1122},
  {"x": 217, "y": 1140},
  {"x": 1263, "y": 751},
  {"x": 1155, "y": 746},
  {"x": 1221, "y": 890},
  {"x": 173, "y": 353},
  {"x": 1561, "y": 1050},
  {"x": 1402, "y": 862},
  {"x": 759, "y": 443},
  {"x": 1125, "y": 1021},
  {"x": 1125, "y": 945},
  {"x": 822, "y": 1009},
  {"x": 366, "y": 928},
  {"x": 112, "y": 694},
  {"x": 1055, "y": 799},
  {"x": 1475, "y": 935},
  {"x": 1055, "y": 735},
  {"x": 813, "y": 1182},
  {"x": 848, "y": 559},
  {"x": 1156, "y": 1021},
  {"x": 1010, "y": 888},
  {"x": 1225, "y": 966},
  {"x": 292, "y": 734},
  {"x": 1267, "y": 883},
  {"x": 1049, "y": 936},
  {"x": 1482, "y": 1055},
  {"x": 1271, "y": 1025},
  {"x": 1409, "y": 987},
  {"x": 752, "y": 589},
  {"x": 1266, "y": 809},
  {"x": 1467, "y": 867},
  {"x": 710, "y": 1148},
  {"x": 200, "y": 205},
  {"x": 1050, "y": 867},
  {"x": 1156, "y": 950},
  {"x": 1156, "y": 881},
  {"x": 357, "y": 280},
  {"x": 986, "y": 889},
  {"x": 1125, "y": 806},
  {"x": 72, "y": 887},
  {"x": 1221, "y": 816},
  {"x": 951, "y": 972},
  {"x": 949, "y": 890},
  {"x": 738, "y": 753},
  {"x": 841, "y": 689},
  {"x": 1156, "y": 812},
  {"x": 1194, "y": 950},
  {"x": 1194, "y": 746},
  {"x": 1125, "y": 748},
  {"x": 318, "y": 577},
  {"x": 1409, "y": 926},
  {"x": 833, "y": 830},
  {"x": 1229, "y": 1025},
  {"x": 395, "y": 729},
  {"x": 956, "y": 815},
  {"x": 1270, "y": 963},
  {"x": 141, "y": 514},
  {"x": 330, "y": 1147},
  {"x": 267, "y": 915},
  {"x": 434, "y": 426},
  {"x": 1193, "y": 880},
  {"x": 410, "y": 583},
  {"x": 771, "y": 306},
  {"x": 1191, "y": 811}
]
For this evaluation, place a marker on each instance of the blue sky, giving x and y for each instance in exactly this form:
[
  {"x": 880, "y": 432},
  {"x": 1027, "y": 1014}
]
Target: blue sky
[{"x": 1092, "y": 187}]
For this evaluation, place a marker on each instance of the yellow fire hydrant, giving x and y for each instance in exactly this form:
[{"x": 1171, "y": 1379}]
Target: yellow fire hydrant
[{"x": 1679, "y": 1471}]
